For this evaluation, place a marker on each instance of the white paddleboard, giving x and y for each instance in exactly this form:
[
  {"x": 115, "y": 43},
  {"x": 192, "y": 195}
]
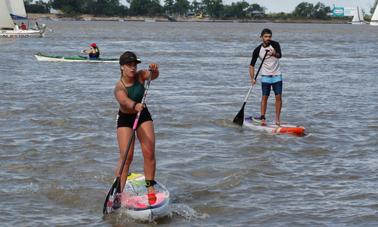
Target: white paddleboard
[
  {"x": 134, "y": 199},
  {"x": 250, "y": 122}
]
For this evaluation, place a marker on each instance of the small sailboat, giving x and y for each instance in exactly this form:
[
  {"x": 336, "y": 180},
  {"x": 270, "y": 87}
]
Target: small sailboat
[
  {"x": 358, "y": 17},
  {"x": 374, "y": 18},
  {"x": 16, "y": 9}
]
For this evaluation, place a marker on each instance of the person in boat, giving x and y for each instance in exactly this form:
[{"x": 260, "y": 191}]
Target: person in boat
[
  {"x": 16, "y": 27},
  {"x": 271, "y": 77},
  {"x": 93, "y": 51},
  {"x": 23, "y": 26},
  {"x": 129, "y": 92}
]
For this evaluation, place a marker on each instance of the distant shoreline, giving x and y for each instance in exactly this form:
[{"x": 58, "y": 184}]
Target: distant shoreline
[{"x": 86, "y": 17}]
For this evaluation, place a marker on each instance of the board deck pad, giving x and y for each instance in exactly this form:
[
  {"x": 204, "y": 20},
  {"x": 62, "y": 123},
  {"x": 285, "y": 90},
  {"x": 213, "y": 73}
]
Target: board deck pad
[
  {"x": 135, "y": 194},
  {"x": 141, "y": 202}
]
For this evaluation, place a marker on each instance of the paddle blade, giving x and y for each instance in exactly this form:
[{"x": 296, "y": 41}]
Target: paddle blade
[
  {"x": 110, "y": 203},
  {"x": 239, "y": 118}
]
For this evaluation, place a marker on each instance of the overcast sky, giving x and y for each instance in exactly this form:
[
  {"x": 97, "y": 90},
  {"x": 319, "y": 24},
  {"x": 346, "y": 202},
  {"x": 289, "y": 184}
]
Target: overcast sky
[{"x": 288, "y": 6}]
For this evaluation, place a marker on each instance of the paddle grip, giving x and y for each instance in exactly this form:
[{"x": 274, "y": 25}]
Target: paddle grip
[{"x": 136, "y": 121}]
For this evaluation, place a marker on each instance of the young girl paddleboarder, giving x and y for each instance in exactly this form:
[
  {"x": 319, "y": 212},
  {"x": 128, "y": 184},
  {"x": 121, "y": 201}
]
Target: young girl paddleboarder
[{"x": 129, "y": 92}]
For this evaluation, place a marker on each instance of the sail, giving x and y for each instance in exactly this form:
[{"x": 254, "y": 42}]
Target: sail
[
  {"x": 360, "y": 15},
  {"x": 17, "y": 9},
  {"x": 374, "y": 18},
  {"x": 5, "y": 18},
  {"x": 356, "y": 17}
]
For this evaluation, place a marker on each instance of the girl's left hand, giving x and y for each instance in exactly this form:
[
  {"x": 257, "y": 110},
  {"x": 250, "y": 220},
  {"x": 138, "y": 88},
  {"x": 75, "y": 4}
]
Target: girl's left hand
[{"x": 139, "y": 107}]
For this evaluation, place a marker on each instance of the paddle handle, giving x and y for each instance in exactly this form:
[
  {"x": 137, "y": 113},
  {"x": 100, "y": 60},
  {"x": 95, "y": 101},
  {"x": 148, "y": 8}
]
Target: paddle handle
[{"x": 257, "y": 73}]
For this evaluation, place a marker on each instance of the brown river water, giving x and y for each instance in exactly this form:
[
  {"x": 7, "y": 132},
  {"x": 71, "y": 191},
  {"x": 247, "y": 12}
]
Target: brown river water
[{"x": 58, "y": 148}]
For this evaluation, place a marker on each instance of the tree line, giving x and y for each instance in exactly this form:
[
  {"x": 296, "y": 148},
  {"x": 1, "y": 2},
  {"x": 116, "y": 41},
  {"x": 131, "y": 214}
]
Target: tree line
[
  {"x": 201, "y": 8},
  {"x": 37, "y": 7}
]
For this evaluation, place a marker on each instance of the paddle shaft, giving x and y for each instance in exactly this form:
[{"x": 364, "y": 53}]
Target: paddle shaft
[
  {"x": 116, "y": 184},
  {"x": 135, "y": 126},
  {"x": 257, "y": 73}
]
